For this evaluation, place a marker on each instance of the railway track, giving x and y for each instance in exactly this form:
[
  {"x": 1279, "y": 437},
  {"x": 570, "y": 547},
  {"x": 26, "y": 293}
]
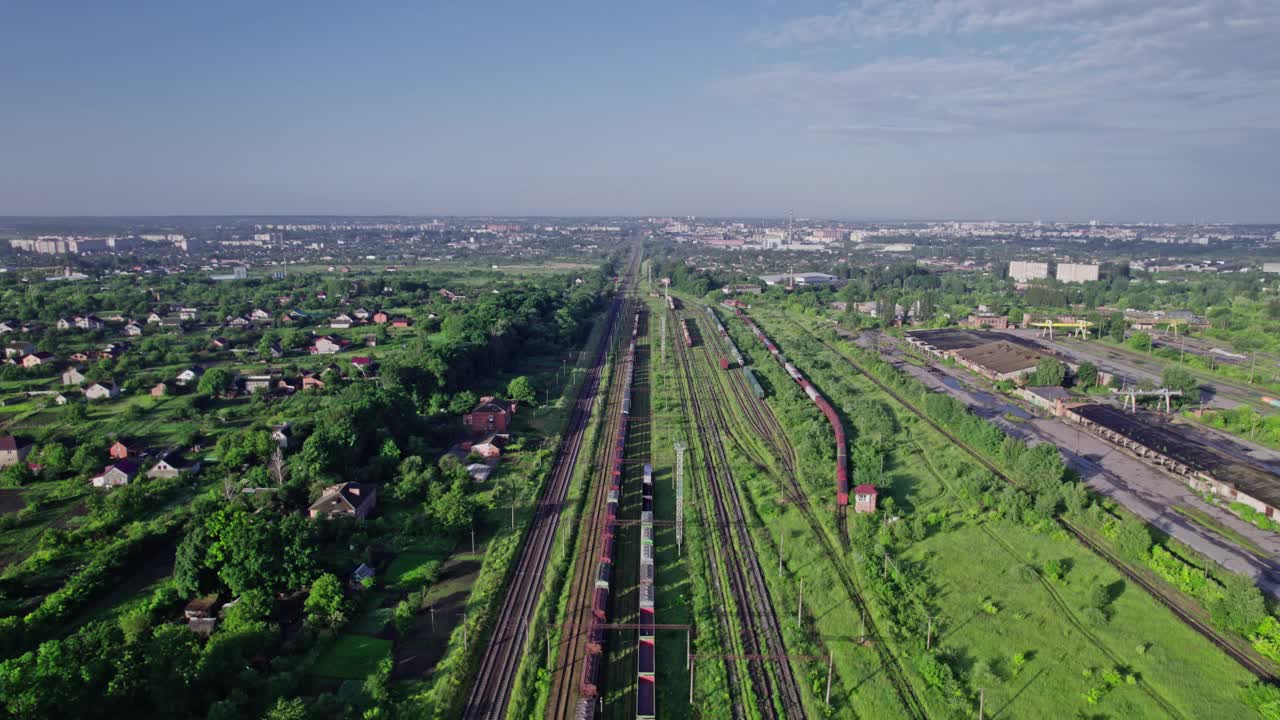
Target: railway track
[
  {"x": 571, "y": 653},
  {"x": 1261, "y": 670},
  {"x": 906, "y": 693},
  {"x": 504, "y": 652},
  {"x": 761, "y": 634}
]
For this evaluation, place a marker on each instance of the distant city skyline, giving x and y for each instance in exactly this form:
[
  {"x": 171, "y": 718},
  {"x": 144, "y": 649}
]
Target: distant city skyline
[{"x": 932, "y": 110}]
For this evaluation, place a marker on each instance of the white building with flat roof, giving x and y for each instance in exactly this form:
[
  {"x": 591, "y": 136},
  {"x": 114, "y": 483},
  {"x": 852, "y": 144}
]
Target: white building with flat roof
[
  {"x": 1077, "y": 273},
  {"x": 1271, "y": 267},
  {"x": 1022, "y": 270}
]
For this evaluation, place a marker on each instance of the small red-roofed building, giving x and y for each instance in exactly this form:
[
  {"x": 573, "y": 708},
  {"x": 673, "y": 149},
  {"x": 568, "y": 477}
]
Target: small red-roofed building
[{"x": 864, "y": 499}]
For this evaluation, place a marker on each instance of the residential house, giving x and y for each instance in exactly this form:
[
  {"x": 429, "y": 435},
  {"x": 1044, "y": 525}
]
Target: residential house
[
  {"x": 160, "y": 389},
  {"x": 102, "y": 391},
  {"x": 81, "y": 357},
  {"x": 172, "y": 464},
  {"x": 401, "y": 322},
  {"x": 65, "y": 324},
  {"x": 479, "y": 472},
  {"x": 351, "y": 499},
  {"x": 188, "y": 313},
  {"x": 360, "y": 313},
  {"x": 240, "y": 322},
  {"x": 13, "y": 450},
  {"x": 489, "y": 416},
  {"x": 8, "y": 326},
  {"x": 189, "y": 376},
  {"x": 37, "y": 359},
  {"x": 275, "y": 351},
  {"x": 286, "y": 385},
  {"x": 121, "y": 473},
  {"x": 18, "y": 349},
  {"x": 255, "y": 383},
  {"x": 363, "y": 363},
  {"x": 342, "y": 321},
  {"x": 312, "y": 381},
  {"x": 360, "y": 575},
  {"x": 327, "y": 345},
  {"x": 489, "y": 448},
  {"x": 281, "y": 434},
  {"x": 221, "y": 343},
  {"x": 89, "y": 322},
  {"x": 133, "y": 329},
  {"x": 72, "y": 376},
  {"x": 381, "y": 318},
  {"x": 259, "y": 315},
  {"x": 122, "y": 449},
  {"x": 154, "y": 319}
]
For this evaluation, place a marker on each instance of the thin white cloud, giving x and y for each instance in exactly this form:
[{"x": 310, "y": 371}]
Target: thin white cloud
[{"x": 1172, "y": 66}]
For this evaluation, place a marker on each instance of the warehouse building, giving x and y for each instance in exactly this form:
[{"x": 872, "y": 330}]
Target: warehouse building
[{"x": 1206, "y": 469}]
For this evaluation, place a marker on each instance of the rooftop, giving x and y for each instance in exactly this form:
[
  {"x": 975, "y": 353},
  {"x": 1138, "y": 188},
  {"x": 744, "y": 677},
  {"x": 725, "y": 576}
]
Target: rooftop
[{"x": 1001, "y": 357}]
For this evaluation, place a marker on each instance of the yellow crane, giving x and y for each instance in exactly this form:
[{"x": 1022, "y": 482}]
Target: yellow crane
[{"x": 1078, "y": 328}]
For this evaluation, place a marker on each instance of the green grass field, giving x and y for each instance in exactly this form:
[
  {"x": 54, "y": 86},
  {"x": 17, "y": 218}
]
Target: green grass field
[{"x": 351, "y": 657}]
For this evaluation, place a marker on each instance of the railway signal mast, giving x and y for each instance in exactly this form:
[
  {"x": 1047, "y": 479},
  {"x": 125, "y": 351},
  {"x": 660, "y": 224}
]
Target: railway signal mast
[{"x": 680, "y": 448}]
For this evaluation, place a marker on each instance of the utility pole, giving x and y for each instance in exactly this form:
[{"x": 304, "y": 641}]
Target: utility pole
[
  {"x": 800, "y": 604},
  {"x": 981, "y": 702},
  {"x": 433, "y": 618},
  {"x": 782, "y": 543},
  {"x": 473, "y": 540},
  {"x": 928, "y": 643}
]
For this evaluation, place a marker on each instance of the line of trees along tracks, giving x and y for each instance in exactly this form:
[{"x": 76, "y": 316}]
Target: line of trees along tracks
[{"x": 502, "y": 657}]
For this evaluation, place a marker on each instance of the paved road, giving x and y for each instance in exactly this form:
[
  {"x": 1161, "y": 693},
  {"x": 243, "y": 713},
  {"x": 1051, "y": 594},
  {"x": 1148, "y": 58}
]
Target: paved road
[{"x": 1146, "y": 491}]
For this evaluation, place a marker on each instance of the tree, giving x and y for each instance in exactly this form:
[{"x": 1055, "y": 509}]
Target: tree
[
  {"x": 520, "y": 389},
  {"x": 1133, "y": 540},
  {"x": 1087, "y": 375},
  {"x": 325, "y": 603},
  {"x": 1241, "y": 607},
  {"x": 1179, "y": 378},
  {"x": 1049, "y": 372},
  {"x": 1097, "y": 597},
  {"x": 215, "y": 381},
  {"x": 293, "y": 709},
  {"x": 1140, "y": 341}
]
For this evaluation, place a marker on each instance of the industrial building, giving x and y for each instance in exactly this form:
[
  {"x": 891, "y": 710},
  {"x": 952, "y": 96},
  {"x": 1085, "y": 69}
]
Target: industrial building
[
  {"x": 1024, "y": 271},
  {"x": 803, "y": 278},
  {"x": 1077, "y": 273},
  {"x": 1271, "y": 267},
  {"x": 995, "y": 356},
  {"x": 1206, "y": 469}
]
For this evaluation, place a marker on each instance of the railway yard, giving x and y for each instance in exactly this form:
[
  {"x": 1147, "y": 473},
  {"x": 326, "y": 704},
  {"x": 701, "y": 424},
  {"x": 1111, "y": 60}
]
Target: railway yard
[{"x": 715, "y": 567}]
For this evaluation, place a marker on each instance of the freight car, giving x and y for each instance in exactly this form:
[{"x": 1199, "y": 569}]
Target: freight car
[
  {"x": 842, "y": 460},
  {"x": 684, "y": 328}
]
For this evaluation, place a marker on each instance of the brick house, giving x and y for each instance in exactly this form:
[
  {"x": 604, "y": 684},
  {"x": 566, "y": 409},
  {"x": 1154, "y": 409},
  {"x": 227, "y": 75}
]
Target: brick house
[
  {"x": 489, "y": 416},
  {"x": 120, "y": 450}
]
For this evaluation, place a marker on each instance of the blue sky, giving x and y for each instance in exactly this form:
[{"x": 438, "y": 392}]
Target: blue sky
[{"x": 1074, "y": 109}]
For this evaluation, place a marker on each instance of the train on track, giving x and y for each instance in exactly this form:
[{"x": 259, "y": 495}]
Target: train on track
[
  {"x": 672, "y": 303},
  {"x": 733, "y": 349},
  {"x": 684, "y": 328},
  {"x": 646, "y": 655},
  {"x": 842, "y": 460},
  {"x": 593, "y": 663}
]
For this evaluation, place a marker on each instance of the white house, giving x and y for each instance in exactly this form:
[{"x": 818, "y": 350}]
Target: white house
[
  {"x": 189, "y": 376},
  {"x": 133, "y": 329},
  {"x": 99, "y": 391},
  {"x": 72, "y": 376}
]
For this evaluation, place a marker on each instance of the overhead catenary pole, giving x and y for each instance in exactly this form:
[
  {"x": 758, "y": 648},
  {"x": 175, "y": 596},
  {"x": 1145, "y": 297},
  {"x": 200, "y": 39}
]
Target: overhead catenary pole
[
  {"x": 680, "y": 448},
  {"x": 830, "y": 666}
]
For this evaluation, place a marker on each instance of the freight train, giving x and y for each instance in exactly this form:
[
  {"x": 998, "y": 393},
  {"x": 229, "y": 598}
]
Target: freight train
[
  {"x": 842, "y": 461},
  {"x": 646, "y": 657},
  {"x": 593, "y": 662},
  {"x": 684, "y": 328},
  {"x": 733, "y": 349}
]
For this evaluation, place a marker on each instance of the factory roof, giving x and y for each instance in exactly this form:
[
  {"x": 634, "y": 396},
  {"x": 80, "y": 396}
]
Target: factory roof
[{"x": 1001, "y": 357}]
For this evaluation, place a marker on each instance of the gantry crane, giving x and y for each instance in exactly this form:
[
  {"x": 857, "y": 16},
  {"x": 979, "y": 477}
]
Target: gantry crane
[{"x": 1079, "y": 328}]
